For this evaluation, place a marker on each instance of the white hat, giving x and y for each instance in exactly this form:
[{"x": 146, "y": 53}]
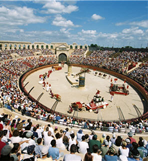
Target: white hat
[
  {"x": 71, "y": 132},
  {"x": 114, "y": 135},
  {"x": 103, "y": 135}
]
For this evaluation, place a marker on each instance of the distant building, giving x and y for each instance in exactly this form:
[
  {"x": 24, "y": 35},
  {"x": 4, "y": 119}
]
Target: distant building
[{"x": 61, "y": 50}]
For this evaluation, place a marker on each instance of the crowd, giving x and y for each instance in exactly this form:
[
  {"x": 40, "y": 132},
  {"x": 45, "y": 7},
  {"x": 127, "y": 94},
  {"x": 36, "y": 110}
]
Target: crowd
[
  {"x": 6, "y": 54},
  {"x": 32, "y": 137},
  {"x": 22, "y": 140},
  {"x": 140, "y": 74},
  {"x": 78, "y": 52}
]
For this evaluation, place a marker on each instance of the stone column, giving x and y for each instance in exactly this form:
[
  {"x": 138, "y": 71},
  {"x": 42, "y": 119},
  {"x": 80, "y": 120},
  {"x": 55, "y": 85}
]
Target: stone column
[
  {"x": 69, "y": 70},
  {"x": 3, "y": 46}
]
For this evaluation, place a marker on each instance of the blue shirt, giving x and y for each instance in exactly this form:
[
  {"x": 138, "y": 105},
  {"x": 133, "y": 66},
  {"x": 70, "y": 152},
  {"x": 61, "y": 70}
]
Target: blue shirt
[
  {"x": 132, "y": 159},
  {"x": 110, "y": 158},
  {"x": 54, "y": 153}
]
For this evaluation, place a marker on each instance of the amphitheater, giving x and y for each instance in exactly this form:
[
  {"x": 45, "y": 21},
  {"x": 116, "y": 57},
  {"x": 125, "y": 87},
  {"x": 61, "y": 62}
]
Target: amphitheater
[{"x": 122, "y": 108}]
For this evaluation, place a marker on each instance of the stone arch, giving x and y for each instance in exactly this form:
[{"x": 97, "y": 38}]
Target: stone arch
[
  {"x": 62, "y": 57},
  {"x": 42, "y": 46}
]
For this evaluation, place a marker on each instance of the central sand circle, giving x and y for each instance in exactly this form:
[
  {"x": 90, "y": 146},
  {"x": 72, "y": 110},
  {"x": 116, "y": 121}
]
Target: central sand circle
[{"x": 70, "y": 94}]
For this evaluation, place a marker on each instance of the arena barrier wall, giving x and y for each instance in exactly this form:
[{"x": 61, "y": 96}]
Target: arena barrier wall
[{"x": 137, "y": 86}]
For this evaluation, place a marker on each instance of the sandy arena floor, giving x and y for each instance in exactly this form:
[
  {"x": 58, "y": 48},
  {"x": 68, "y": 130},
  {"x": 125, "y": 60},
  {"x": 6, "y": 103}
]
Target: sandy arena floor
[{"x": 70, "y": 94}]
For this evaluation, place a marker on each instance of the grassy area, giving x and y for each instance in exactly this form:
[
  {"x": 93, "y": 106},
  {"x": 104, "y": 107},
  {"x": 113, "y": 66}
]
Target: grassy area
[
  {"x": 88, "y": 53},
  {"x": 115, "y": 55}
]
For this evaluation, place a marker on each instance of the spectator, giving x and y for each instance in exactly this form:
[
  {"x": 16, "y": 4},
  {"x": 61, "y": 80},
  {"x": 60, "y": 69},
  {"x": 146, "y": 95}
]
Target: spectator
[
  {"x": 72, "y": 156},
  {"x": 2, "y": 144},
  {"x": 83, "y": 146},
  {"x": 123, "y": 150},
  {"x": 53, "y": 151},
  {"x": 5, "y": 153},
  {"x": 105, "y": 148},
  {"x": 130, "y": 134},
  {"x": 96, "y": 153},
  {"x": 88, "y": 157},
  {"x": 93, "y": 142},
  {"x": 111, "y": 155}
]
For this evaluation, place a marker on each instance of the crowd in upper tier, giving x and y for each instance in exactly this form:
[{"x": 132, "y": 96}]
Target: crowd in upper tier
[{"x": 78, "y": 52}]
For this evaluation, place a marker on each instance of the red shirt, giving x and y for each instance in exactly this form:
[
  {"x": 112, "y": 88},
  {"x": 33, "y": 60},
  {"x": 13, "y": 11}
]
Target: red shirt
[
  {"x": 132, "y": 140},
  {"x": 2, "y": 144}
]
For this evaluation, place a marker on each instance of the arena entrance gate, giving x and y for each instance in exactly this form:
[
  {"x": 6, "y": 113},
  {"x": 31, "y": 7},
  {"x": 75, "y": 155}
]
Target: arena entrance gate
[{"x": 62, "y": 58}]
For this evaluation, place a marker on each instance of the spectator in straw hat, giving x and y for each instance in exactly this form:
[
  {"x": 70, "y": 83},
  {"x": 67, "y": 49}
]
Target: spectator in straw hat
[{"x": 111, "y": 155}]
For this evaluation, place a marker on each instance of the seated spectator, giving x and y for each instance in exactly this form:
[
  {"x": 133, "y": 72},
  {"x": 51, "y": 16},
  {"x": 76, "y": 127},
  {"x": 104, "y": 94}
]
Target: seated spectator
[
  {"x": 105, "y": 148},
  {"x": 142, "y": 150},
  {"x": 117, "y": 144},
  {"x": 15, "y": 137},
  {"x": 5, "y": 153},
  {"x": 72, "y": 156},
  {"x": 30, "y": 154},
  {"x": 59, "y": 141},
  {"x": 130, "y": 134},
  {"x": 96, "y": 153},
  {"x": 2, "y": 144},
  {"x": 83, "y": 146},
  {"x": 79, "y": 135},
  {"x": 53, "y": 151},
  {"x": 93, "y": 142},
  {"x": 4, "y": 138},
  {"x": 113, "y": 139},
  {"x": 72, "y": 140},
  {"x": 14, "y": 152},
  {"x": 102, "y": 138},
  {"x": 128, "y": 143},
  {"x": 111, "y": 155},
  {"x": 48, "y": 139},
  {"x": 88, "y": 157},
  {"x": 135, "y": 156},
  {"x": 44, "y": 155},
  {"x": 123, "y": 150}
]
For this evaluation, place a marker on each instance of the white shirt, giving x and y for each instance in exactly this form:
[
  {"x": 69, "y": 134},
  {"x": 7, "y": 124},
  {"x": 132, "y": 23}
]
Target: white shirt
[
  {"x": 83, "y": 146},
  {"x": 39, "y": 131},
  {"x": 71, "y": 142},
  {"x": 96, "y": 157},
  {"x": 16, "y": 139},
  {"x": 59, "y": 144},
  {"x": 124, "y": 152},
  {"x": 47, "y": 140}
]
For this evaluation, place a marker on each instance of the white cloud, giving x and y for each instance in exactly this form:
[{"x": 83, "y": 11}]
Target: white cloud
[
  {"x": 91, "y": 32},
  {"x": 96, "y": 17},
  {"x": 143, "y": 23},
  {"x": 61, "y": 21},
  {"x": 19, "y": 16},
  {"x": 108, "y": 35},
  {"x": 120, "y": 23},
  {"x": 133, "y": 30},
  {"x": 65, "y": 31},
  {"x": 57, "y": 7}
]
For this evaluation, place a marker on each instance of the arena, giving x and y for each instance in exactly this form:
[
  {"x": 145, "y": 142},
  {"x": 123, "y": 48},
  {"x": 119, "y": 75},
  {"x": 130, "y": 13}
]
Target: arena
[
  {"x": 38, "y": 87},
  {"x": 71, "y": 93}
]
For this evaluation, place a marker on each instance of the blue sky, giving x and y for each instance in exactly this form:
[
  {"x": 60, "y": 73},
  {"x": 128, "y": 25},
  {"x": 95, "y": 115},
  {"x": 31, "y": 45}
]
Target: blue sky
[{"x": 106, "y": 23}]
